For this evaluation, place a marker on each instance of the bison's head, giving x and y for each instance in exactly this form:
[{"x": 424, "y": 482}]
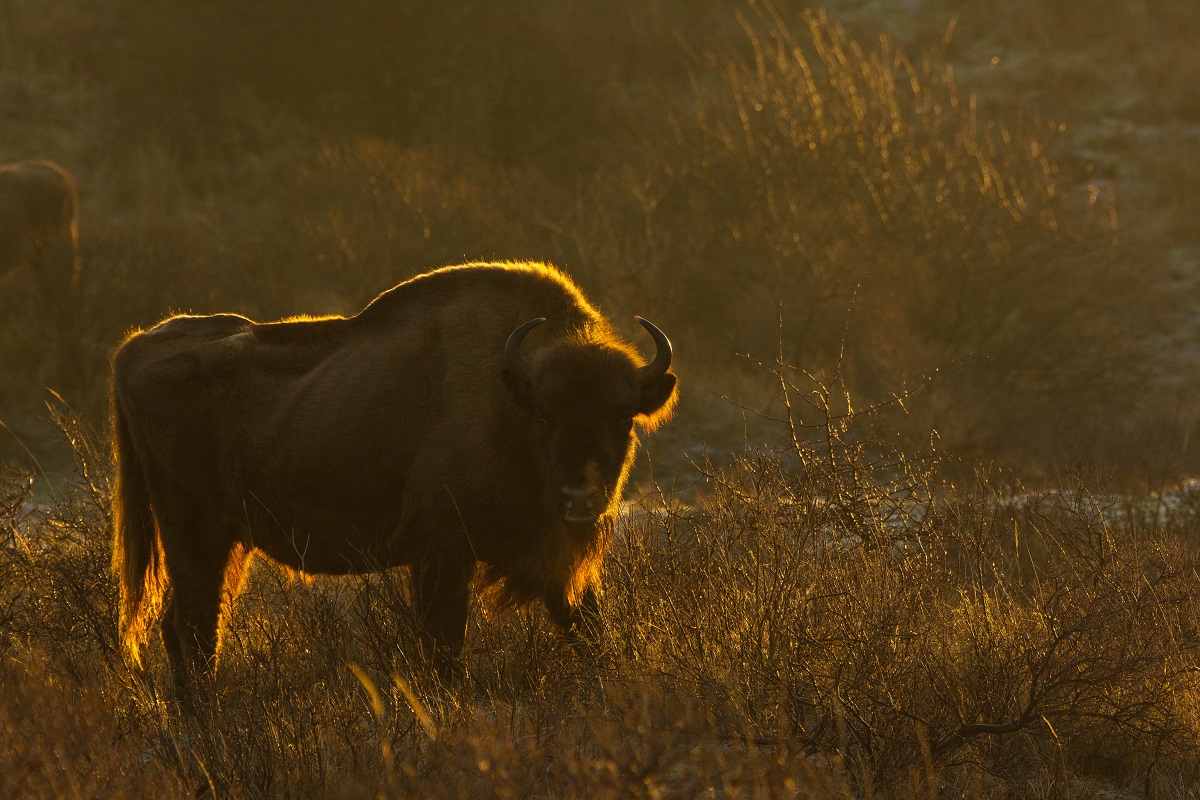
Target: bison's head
[{"x": 584, "y": 398}]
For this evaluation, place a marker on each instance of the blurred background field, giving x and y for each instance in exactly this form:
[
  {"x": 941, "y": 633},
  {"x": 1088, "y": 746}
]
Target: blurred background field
[
  {"x": 985, "y": 209},
  {"x": 998, "y": 195}
]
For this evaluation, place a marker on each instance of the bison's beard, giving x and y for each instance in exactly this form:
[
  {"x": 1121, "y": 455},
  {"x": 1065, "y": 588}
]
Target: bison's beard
[{"x": 566, "y": 562}]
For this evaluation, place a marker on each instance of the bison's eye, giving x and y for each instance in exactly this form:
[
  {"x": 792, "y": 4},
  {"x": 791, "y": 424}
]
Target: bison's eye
[
  {"x": 540, "y": 416},
  {"x": 623, "y": 423}
]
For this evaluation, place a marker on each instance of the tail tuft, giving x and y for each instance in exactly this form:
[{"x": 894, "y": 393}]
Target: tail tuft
[{"x": 137, "y": 549}]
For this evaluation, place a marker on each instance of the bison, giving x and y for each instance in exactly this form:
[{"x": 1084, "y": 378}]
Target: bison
[
  {"x": 38, "y": 229},
  {"x": 479, "y": 418}
]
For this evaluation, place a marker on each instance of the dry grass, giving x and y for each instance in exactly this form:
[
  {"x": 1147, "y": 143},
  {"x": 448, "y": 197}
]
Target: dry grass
[{"x": 828, "y": 619}]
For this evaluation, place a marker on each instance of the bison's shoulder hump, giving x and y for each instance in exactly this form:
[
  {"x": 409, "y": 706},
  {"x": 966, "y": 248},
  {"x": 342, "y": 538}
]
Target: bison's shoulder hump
[{"x": 489, "y": 285}]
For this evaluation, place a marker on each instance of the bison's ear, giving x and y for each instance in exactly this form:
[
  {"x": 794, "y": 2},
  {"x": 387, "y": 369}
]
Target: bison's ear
[
  {"x": 657, "y": 401},
  {"x": 521, "y": 389}
]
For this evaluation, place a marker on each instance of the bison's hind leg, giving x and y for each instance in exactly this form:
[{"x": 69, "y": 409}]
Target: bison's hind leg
[{"x": 206, "y": 567}]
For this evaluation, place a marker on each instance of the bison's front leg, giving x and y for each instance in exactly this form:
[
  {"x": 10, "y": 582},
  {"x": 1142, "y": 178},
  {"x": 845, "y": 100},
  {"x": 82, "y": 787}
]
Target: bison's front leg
[
  {"x": 441, "y": 589},
  {"x": 581, "y": 622}
]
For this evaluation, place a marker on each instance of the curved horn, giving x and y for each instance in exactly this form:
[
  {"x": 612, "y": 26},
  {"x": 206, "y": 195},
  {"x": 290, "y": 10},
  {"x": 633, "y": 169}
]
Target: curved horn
[
  {"x": 662, "y": 357},
  {"x": 512, "y": 348}
]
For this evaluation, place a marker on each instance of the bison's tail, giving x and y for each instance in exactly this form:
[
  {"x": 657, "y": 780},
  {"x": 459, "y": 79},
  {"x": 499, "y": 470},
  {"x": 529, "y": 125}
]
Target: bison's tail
[{"x": 137, "y": 551}]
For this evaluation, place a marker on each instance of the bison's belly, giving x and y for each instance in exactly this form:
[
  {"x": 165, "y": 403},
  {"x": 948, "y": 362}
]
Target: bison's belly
[{"x": 319, "y": 541}]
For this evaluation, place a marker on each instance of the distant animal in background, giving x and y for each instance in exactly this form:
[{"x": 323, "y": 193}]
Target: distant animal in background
[
  {"x": 477, "y": 416},
  {"x": 39, "y": 230}
]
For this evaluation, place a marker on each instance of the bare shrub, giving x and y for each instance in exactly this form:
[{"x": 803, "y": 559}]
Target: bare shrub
[
  {"x": 838, "y": 592},
  {"x": 810, "y": 169},
  {"x": 830, "y": 618}
]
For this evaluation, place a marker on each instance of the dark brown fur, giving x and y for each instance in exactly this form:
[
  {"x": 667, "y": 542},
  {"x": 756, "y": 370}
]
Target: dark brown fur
[
  {"x": 393, "y": 437},
  {"x": 39, "y": 229}
]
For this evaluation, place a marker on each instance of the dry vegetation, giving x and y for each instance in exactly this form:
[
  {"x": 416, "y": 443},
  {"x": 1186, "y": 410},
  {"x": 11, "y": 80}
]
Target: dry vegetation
[
  {"x": 852, "y": 613},
  {"x": 826, "y": 620}
]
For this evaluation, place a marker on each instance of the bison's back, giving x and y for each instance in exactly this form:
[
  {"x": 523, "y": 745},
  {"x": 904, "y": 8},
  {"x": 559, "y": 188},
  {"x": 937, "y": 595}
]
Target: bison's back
[
  {"x": 484, "y": 297},
  {"x": 36, "y": 194},
  {"x": 37, "y": 222}
]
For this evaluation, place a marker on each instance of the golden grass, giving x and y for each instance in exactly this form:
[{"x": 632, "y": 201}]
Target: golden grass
[{"x": 823, "y": 620}]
